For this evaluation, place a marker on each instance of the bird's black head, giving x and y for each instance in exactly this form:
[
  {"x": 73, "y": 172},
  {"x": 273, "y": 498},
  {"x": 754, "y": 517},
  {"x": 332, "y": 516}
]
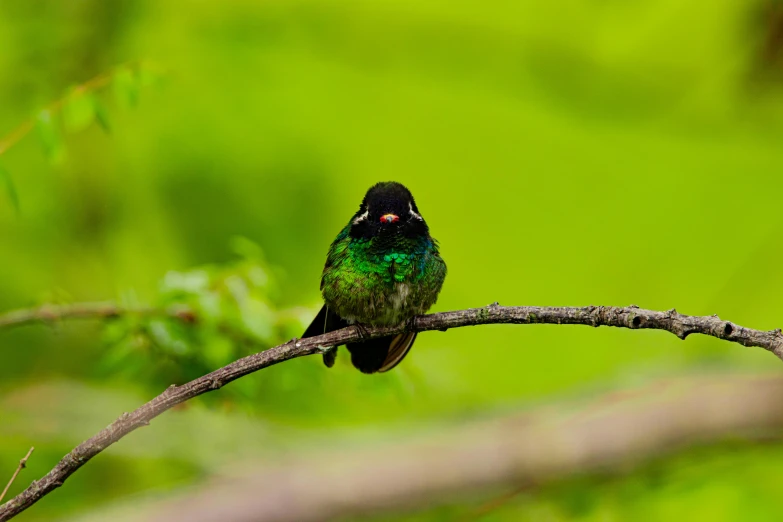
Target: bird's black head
[{"x": 388, "y": 208}]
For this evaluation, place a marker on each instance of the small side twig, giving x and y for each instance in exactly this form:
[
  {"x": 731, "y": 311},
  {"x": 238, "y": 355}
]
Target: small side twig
[{"x": 20, "y": 467}]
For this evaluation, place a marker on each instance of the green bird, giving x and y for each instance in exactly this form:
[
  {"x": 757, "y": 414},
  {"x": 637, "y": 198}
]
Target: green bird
[{"x": 382, "y": 269}]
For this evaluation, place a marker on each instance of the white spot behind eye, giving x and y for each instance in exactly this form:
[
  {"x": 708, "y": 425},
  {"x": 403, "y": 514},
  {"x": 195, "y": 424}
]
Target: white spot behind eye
[
  {"x": 362, "y": 217},
  {"x": 413, "y": 212}
]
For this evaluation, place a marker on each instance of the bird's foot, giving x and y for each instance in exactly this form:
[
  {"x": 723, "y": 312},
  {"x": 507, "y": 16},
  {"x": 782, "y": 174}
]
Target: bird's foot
[
  {"x": 361, "y": 330},
  {"x": 329, "y": 355},
  {"x": 410, "y": 324}
]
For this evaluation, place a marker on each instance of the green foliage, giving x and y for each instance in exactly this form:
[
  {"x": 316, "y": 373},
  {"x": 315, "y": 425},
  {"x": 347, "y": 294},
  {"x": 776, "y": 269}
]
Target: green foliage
[
  {"x": 78, "y": 110},
  {"x": 598, "y": 153},
  {"x": 212, "y": 315},
  {"x": 126, "y": 87},
  {"x": 50, "y": 136},
  {"x": 101, "y": 115}
]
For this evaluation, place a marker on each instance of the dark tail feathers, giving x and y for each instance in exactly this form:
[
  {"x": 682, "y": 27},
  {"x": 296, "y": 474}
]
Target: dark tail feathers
[
  {"x": 375, "y": 355},
  {"x": 381, "y": 354},
  {"x": 325, "y": 321}
]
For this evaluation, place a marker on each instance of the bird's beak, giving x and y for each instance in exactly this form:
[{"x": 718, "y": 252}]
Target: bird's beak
[{"x": 389, "y": 218}]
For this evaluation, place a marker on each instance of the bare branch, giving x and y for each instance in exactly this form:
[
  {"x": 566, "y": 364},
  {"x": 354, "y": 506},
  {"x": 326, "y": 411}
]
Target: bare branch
[
  {"x": 98, "y": 310},
  {"x": 20, "y": 467},
  {"x": 626, "y": 317},
  {"x": 470, "y": 460}
]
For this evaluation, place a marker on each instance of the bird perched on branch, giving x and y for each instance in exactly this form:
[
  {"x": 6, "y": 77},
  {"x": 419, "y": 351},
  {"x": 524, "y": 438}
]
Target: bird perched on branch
[{"x": 382, "y": 269}]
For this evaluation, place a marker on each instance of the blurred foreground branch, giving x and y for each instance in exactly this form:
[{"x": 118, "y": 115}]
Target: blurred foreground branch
[
  {"x": 20, "y": 467},
  {"x": 625, "y": 317},
  {"x": 475, "y": 459}
]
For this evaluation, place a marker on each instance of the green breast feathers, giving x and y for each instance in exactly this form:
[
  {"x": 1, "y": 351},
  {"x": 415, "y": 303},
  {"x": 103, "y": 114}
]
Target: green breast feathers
[{"x": 369, "y": 280}]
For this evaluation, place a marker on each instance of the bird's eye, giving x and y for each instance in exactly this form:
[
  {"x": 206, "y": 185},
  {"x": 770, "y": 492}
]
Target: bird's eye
[{"x": 389, "y": 218}]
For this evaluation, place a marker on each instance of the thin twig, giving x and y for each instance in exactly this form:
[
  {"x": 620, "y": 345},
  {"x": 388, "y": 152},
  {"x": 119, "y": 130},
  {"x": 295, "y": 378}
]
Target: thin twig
[
  {"x": 20, "y": 467},
  {"x": 631, "y": 317},
  {"x": 97, "y": 310}
]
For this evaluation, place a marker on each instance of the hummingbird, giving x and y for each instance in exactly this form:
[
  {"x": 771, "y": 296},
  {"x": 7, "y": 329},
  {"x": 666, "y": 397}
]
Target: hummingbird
[{"x": 383, "y": 269}]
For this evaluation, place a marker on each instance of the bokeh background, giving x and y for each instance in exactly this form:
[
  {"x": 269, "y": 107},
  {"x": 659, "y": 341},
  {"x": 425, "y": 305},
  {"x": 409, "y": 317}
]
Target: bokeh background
[{"x": 586, "y": 152}]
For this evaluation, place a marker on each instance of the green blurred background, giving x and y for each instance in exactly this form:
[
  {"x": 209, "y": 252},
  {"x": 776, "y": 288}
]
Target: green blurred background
[{"x": 586, "y": 152}]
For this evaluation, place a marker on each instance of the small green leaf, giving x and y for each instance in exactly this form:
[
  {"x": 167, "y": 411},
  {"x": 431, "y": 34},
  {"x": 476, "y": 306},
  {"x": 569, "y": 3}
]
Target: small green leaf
[
  {"x": 78, "y": 110},
  {"x": 10, "y": 188},
  {"x": 168, "y": 338},
  {"x": 50, "y": 136},
  {"x": 101, "y": 115},
  {"x": 149, "y": 76},
  {"x": 257, "y": 317},
  {"x": 126, "y": 87},
  {"x": 193, "y": 282}
]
